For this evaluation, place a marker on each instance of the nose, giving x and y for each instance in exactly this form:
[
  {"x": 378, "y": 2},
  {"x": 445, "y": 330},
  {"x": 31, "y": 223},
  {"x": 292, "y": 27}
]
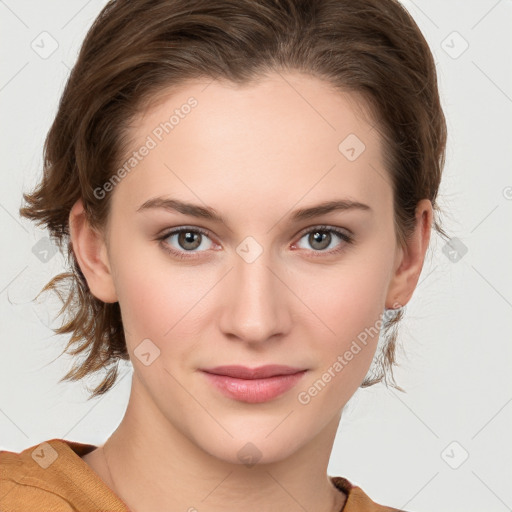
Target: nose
[{"x": 255, "y": 301}]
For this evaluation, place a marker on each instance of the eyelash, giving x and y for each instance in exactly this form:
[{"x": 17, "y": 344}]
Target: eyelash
[{"x": 348, "y": 239}]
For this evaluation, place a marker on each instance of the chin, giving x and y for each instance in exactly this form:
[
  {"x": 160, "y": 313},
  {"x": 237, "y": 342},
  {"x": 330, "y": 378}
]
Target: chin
[{"x": 259, "y": 449}]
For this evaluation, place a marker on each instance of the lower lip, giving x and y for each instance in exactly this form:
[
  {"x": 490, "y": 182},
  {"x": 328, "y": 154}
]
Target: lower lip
[{"x": 256, "y": 390}]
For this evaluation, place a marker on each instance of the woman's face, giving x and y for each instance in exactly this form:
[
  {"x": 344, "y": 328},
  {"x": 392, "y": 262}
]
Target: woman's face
[{"x": 259, "y": 287}]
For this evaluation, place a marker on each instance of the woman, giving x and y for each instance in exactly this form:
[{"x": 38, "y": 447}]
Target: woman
[{"x": 248, "y": 190}]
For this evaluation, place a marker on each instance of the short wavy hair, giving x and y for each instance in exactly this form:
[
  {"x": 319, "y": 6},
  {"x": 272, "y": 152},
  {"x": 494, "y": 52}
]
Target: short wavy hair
[{"x": 136, "y": 49}]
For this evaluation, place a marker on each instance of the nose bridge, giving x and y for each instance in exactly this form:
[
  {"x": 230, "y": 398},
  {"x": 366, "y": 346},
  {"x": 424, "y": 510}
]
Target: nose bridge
[{"x": 256, "y": 308}]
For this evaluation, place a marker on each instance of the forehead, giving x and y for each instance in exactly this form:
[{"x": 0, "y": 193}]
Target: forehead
[
  {"x": 293, "y": 101},
  {"x": 286, "y": 131}
]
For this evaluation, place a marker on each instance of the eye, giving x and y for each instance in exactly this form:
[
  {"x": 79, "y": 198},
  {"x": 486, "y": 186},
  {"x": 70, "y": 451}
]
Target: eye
[
  {"x": 183, "y": 240},
  {"x": 321, "y": 238},
  {"x": 187, "y": 240}
]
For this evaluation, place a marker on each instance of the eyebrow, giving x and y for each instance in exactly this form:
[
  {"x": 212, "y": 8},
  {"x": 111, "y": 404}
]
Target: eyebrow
[{"x": 208, "y": 213}]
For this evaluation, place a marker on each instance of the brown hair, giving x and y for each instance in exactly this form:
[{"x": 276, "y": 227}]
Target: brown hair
[{"x": 136, "y": 49}]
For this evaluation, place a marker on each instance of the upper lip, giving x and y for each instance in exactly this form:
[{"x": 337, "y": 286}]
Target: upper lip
[{"x": 261, "y": 372}]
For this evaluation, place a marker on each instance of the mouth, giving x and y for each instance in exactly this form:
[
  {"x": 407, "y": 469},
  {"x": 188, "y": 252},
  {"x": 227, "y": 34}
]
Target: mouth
[
  {"x": 261, "y": 372},
  {"x": 254, "y": 385}
]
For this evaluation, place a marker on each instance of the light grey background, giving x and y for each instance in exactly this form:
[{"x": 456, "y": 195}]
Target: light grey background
[{"x": 404, "y": 450}]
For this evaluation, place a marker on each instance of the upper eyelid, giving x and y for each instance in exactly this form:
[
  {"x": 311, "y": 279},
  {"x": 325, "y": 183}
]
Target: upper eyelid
[{"x": 323, "y": 227}]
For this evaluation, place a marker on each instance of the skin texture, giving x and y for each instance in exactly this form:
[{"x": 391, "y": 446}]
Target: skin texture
[{"x": 254, "y": 154}]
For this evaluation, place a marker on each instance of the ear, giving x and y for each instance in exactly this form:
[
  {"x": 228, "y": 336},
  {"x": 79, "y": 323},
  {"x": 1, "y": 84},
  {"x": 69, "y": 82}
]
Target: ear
[
  {"x": 410, "y": 259},
  {"x": 91, "y": 253}
]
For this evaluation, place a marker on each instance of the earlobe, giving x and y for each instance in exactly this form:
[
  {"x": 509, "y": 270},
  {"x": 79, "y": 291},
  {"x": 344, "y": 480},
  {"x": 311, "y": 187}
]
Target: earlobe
[
  {"x": 410, "y": 259},
  {"x": 91, "y": 253}
]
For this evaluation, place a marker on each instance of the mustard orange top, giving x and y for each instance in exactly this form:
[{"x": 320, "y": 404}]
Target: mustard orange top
[{"x": 51, "y": 476}]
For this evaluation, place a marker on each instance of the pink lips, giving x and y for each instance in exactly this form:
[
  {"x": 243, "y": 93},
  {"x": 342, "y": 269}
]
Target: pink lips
[{"x": 254, "y": 385}]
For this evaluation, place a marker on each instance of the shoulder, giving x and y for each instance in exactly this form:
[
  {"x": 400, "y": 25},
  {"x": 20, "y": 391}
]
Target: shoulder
[
  {"x": 51, "y": 476},
  {"x": 357, "y": 499},
  {"x": 25, "y": 478}
]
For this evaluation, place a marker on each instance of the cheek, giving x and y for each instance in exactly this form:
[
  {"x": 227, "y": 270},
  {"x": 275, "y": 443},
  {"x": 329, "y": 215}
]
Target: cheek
[
  {"x": 347, "y": 299},
  {"x": 349, "y": 303},
  {"x": 147, "y": 298},
  {"x": 159, "y": 299}
]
